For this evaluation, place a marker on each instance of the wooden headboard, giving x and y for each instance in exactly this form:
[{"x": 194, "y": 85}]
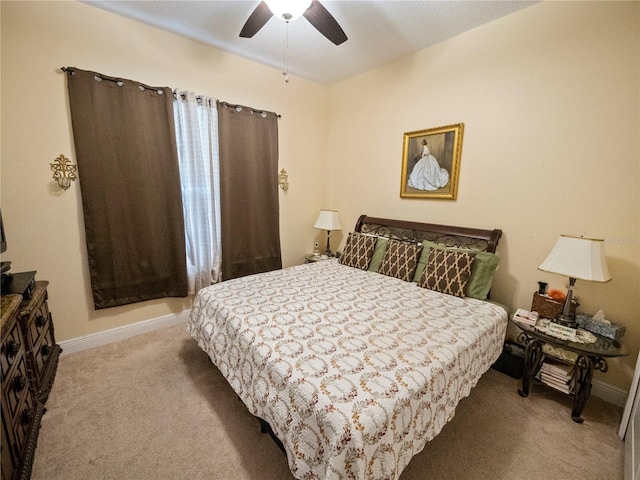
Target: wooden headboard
[{"x": 475, "y": 239}]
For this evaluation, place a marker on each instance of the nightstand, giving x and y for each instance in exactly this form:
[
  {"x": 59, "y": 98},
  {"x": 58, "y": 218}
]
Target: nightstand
[
  {"x": 312, "y": 257},
  {"x": 590, "y": 356}
]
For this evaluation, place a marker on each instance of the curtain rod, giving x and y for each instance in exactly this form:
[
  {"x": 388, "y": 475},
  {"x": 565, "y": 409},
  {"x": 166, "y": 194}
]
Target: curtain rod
[
  {"x": 71, "y": 71},
  {"x": 199, "y": 98},
  {"x": 251, "y": 110}
]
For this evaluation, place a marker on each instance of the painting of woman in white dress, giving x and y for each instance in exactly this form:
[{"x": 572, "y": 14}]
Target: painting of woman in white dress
[
  {"x": 427, "y": 173},
  {"x": 431, "y": 162}
]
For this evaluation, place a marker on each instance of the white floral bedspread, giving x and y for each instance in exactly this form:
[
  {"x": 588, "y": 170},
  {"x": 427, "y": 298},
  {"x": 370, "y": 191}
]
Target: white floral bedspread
[{"x": 354, "y": 371}]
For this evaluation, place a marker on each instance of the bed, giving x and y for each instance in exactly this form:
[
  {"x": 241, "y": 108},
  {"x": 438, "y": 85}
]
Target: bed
[{"x": 356, "y": 366}]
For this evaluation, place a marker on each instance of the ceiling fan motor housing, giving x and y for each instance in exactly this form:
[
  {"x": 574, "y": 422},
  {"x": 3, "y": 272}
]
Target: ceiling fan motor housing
[{"x": 288, "y": 10}]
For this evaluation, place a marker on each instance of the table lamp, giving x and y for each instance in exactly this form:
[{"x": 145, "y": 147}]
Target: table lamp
[
  {"x": 328, "y": 220},
  {"x": 576, "y": 257}
]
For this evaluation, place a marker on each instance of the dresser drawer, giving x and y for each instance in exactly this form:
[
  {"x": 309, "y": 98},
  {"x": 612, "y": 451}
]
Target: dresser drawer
[
  {"x": 37, "y": 329},
  {"x": 23, "y": 423},
  {"x": 11, "y": 347},
  {"x": 43, "y": 349},
  {"x": 36, "y": 324},
  {"x": 7, "y": 468},
  {"x": 16, "y": 386}
]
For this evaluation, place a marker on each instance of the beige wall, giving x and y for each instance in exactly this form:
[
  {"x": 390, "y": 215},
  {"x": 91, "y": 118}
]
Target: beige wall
[
  {"x": 44, "y": 227},
  {"x": 550, "y": 101},
  {"x": 549, "y": 97}
]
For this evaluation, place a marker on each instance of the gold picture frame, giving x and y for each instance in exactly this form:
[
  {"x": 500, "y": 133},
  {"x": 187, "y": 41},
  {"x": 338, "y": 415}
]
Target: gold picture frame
[{"x": 431, "y": 162}]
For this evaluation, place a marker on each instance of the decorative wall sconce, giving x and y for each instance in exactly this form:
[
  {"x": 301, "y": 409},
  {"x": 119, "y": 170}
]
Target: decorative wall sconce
[
  {"x": 63, "y": 171},
  {"x": 283, "y": 180}
]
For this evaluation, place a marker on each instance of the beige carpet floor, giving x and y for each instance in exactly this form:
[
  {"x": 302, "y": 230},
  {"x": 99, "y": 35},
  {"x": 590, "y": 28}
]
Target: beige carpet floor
[{"x": 154, "y": 407}]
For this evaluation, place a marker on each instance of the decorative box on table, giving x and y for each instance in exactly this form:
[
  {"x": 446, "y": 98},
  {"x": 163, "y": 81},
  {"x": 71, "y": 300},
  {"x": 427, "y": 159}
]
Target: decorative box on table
[{"x": 547, "y": 307}]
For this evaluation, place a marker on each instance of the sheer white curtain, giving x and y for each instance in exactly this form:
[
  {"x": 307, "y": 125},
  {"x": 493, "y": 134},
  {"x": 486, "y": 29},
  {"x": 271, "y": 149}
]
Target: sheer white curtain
[{"x": 196, "y": 119}]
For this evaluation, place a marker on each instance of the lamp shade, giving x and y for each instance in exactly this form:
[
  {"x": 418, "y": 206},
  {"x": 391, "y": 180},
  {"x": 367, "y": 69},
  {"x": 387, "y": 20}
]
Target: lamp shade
[
  {"x": 578, "y": 257},
  {"x": 328, "y": 220}
]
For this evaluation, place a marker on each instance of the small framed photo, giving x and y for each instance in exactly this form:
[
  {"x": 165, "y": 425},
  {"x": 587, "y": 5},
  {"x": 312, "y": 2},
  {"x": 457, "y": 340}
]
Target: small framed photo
[{"x": 431, "y": 162}]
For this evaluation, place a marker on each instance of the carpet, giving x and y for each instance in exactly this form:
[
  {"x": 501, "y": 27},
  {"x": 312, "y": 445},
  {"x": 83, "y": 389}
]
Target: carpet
[{"x": 154, "y": 407}]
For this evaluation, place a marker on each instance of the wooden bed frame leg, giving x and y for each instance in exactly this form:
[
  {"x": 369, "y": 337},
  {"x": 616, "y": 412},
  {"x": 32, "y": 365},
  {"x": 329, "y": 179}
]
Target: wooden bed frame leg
[{"x": 266, "y": 428}]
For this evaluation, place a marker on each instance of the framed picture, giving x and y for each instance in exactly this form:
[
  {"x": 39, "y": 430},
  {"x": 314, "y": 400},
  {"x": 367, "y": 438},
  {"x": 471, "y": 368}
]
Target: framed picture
[{"x": 431, "y": 162}]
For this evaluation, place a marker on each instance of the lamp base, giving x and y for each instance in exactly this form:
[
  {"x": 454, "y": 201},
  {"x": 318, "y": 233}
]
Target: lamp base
[
  {"x": 567, "y": 317},
  {"x": 567, "y": 321},
  {"x": 327, "y": 252}
]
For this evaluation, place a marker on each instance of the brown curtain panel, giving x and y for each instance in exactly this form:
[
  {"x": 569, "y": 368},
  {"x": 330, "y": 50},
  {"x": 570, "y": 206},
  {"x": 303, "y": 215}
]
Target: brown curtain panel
[
  {"x": 250, "y": 218},
  {"x": 130, "y": 183}
]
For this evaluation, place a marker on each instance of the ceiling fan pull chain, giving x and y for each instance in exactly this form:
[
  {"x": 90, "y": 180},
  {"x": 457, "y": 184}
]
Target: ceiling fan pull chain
[{"x": 286, "y": 49}]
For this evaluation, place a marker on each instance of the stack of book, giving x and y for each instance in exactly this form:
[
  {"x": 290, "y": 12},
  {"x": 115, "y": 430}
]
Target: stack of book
[{"x": 558, "y": 376}]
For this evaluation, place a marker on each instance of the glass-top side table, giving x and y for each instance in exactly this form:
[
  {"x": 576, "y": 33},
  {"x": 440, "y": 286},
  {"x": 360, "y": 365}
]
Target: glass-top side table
[
  {"x": 312, "y": 257},
  {"x": 591, "y": 356}
]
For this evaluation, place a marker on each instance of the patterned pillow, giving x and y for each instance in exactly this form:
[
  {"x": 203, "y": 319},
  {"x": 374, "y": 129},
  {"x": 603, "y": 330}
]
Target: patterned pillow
[
  {"x": 482, "y": 270},
  {"x": 447, "y": 271},
  {"x": 358, "y": 250},
  {"x": 400, "y": 260}
]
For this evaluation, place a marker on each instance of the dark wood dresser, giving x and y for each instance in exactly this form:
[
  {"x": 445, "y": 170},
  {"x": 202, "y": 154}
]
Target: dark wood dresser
[{"x": 28, "y": 362}]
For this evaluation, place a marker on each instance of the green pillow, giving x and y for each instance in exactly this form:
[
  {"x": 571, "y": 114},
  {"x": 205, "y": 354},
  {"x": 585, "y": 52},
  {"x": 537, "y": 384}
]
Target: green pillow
[
  {"x": 424, "y": 258},
  {"x": 378, "y": 254},
  {"x": 482, "y": 270}
]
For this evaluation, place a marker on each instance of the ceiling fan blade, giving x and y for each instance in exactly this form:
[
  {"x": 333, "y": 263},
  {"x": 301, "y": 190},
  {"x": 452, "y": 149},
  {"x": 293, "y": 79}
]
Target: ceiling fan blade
[
  {"x": 258, "y": 18},
  {"x": 323, "y": 21}
]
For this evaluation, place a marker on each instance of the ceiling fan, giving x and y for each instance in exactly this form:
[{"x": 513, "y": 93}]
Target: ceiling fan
[{"x": 313, "y": 11}]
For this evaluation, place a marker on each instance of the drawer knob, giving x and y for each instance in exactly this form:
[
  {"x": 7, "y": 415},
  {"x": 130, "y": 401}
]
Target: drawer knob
[
  {"x": 45, "y": 350},
  {"x": 19, "y": 383},
  {"x": 11, "y": 348},
  {"x": 26, "y": 416},
  {"x": 40, "y": 321}
]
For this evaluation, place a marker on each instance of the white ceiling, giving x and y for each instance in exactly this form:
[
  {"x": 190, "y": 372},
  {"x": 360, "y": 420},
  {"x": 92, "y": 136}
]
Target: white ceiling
[{"x": 378, "y": 31}]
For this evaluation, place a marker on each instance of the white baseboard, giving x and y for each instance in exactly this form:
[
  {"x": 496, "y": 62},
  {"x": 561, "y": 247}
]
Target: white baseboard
[
  {"x": 121, "y": 333},
  {"x": 609, "y": 393}
]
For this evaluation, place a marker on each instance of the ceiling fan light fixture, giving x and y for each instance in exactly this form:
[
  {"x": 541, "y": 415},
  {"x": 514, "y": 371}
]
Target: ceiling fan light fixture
[{"x": 288, "y": 10}]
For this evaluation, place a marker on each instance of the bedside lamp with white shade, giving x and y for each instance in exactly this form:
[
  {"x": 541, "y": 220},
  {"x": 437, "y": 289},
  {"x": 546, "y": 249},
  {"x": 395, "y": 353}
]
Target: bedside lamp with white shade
[
  {"x": 328, "y": 220},
  {"x": 577, "y": 258}
]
